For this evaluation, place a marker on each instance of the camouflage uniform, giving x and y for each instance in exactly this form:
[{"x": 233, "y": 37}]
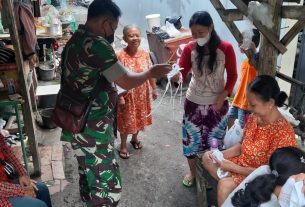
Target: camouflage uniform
[{"x": 85, "y": 58}]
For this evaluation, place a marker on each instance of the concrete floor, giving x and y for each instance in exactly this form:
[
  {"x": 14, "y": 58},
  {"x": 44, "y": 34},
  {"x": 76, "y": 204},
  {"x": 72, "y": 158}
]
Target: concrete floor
[{"x": 152, "y": 176}]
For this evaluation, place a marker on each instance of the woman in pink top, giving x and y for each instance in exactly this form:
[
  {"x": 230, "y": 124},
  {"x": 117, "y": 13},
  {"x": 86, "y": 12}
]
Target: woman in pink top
[{"x": 206, "y": 99}]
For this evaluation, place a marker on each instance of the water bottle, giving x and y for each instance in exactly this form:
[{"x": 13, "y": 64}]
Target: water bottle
[
  {"x": 214, "y": 144},
  {"x": 214, "y": 147}
]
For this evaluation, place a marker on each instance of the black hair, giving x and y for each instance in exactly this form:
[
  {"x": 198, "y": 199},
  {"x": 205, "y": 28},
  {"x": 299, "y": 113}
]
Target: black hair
[
  {"x": 266, "y": 88},
  {"x": 286, "y": 162},
  {"x": 100, "y": 8},
  {"x": 256, "y": 37},
  {"x": 203, "y": 18}
]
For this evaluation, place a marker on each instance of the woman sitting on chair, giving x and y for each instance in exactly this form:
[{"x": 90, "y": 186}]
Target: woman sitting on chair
[
  {"x": 16, "y": 188},
  {"x": 265, "y": 131}
]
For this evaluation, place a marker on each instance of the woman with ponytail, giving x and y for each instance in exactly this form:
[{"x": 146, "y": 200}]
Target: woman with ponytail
[
  {"x": 208, "y": 57},
  {"x": 286, "y": 168},
  {"x": 266, "y": 130}
]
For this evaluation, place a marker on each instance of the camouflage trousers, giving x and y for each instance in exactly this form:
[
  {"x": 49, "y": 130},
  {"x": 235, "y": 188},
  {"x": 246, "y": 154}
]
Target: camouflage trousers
[{"x": 99, "y": 175}]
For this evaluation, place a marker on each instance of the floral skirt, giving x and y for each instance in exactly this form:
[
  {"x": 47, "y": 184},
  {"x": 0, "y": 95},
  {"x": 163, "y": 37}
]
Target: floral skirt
[{"x": 198, "y": 122}]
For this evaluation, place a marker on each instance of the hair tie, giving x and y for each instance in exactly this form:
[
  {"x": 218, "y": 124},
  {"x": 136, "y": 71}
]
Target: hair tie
[{"x": 275, "y": 173}]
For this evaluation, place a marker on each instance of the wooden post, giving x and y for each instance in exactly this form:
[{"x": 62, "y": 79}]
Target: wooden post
[
  {"x": 268, "y": 53},
  {"x": 27, "y": 106}
]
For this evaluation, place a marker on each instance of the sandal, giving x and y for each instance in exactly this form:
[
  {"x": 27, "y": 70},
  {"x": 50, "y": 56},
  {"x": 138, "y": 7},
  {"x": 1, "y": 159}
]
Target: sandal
[
  {"x": 188, "y": 181},
  {"x": 208, "y": 186},
  {"x": 124, "y": 155},
  {"x": 136, "y": 144}
]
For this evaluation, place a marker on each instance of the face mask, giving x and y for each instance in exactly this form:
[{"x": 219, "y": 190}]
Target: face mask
[
  {"x": 203, "y": 40},
  {"x": 110, "y": 38}
]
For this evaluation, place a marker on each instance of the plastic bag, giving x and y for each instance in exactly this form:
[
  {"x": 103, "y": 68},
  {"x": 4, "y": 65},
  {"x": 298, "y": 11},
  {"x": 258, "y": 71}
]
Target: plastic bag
[
  {"x": 247, "y": 38},
  {"x": 2, "y": 123},
  {"x": 234, "y": 135},
  {"x": 1, "y": 28},
  {"x": 218, "y": 155},
  {"x": 261, "y": 12},
  {"x": 289, "y": 117},
  {"x": 171, "y": 30}
]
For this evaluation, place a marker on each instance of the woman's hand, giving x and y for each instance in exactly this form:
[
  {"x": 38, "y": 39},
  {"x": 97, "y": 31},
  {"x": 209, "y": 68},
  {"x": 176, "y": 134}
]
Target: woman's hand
[
  {"x": 25, "y": 181},
  {"x": 154, "y": 93},
  {"x": 159, "y": 70},
  {"x": 176, "y": 78},
  {"x": 30, "y": 192},
  {"x": 219, "y": 100},
  {"x": 208, "y": 157},
  {"x": 29, "y": 185},
  {"x": 226, "y": 165}
]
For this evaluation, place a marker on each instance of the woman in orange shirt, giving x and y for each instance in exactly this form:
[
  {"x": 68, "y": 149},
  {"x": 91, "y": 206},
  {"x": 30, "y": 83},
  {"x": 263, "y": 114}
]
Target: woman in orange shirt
[
  {"x": 134, "y": 106},
  {"x": 265, "y": 131}
]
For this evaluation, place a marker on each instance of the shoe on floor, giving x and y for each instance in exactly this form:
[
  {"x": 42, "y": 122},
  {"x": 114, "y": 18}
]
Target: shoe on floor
[
  {"x": 136, "y": 144},
  {"x": 124, "y": 155},
  {"x": 188, "y": 181},
  {"x": 208, "y": 186}
]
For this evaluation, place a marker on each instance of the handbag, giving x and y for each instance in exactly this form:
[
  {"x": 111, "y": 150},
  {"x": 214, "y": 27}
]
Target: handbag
[
  {"x": 9, "y": 170},
  {"x": 72, "y": 108}
]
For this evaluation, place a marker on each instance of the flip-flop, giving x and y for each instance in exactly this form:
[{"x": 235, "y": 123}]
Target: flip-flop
[
  {"x": 208, "y": 186},
  {"x": 188, "y": 182},
  {"x": 136, "y": 145},
  {"x": 124, "y": 155}
]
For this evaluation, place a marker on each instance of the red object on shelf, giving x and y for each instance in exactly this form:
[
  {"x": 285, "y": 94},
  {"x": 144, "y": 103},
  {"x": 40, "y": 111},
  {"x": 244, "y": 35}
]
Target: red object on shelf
[{"x": 165, "y": 50}]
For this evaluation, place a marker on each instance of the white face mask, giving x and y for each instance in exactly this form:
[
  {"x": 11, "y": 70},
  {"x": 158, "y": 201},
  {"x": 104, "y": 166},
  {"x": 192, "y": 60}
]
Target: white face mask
[{"x": 203, "y": 40}]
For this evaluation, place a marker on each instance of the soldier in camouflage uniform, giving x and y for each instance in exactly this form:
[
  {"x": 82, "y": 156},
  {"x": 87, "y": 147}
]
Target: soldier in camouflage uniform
[{"x": 88, "y": 58}]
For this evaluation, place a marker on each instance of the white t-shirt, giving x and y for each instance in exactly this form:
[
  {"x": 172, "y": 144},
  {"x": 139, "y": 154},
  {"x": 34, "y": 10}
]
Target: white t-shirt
[{"x": 291, "y": 194}]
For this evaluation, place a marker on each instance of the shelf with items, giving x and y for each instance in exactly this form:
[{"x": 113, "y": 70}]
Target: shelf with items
[{"x": 27, "y": 83}]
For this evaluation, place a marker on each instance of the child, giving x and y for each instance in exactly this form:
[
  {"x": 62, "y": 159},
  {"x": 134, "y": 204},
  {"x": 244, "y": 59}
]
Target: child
[{"x": 239, "y": 108}]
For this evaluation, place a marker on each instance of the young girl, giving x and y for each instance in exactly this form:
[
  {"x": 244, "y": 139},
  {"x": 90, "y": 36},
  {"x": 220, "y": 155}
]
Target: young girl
[
  {"x": 208, "y": 57},
  {"x": 286, "y": 177}
]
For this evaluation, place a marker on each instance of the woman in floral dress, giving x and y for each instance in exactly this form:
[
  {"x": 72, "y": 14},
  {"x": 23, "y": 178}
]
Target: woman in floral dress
[
  {"x": 134, "y": 106},
  {"x": 266, "y": 130}
]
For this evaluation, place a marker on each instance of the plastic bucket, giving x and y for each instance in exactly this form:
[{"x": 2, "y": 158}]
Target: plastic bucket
[
  {"x": 54, "y": 29},
  {"x": 153, "y": 20}
]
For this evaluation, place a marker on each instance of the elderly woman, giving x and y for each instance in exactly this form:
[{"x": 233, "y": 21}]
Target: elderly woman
[
  {"x": 134, "y": 107},
  {"x": 265, "y": 131},
  {"x": 24, "y": 194}
]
